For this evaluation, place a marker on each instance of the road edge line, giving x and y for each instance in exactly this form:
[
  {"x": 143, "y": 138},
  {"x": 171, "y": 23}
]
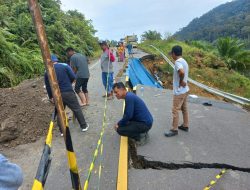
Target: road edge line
[{"x": 122, "y": 178}]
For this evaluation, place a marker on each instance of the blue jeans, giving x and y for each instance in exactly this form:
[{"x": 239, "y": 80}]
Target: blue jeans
[
  {"x": 108, "y": 86},
  {"x": 129, "y": 51}
]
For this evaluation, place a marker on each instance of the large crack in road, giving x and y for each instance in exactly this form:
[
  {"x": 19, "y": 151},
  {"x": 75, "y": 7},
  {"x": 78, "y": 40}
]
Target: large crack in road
[{"x": 140, "y": 162}]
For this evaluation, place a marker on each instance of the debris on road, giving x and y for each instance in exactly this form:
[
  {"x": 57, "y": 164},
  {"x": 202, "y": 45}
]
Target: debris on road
[{"x": 24, "y": 113}]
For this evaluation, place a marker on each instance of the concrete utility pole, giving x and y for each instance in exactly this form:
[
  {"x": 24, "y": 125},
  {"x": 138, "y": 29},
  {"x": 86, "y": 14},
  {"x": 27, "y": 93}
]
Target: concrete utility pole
[{"x": 43, "y": 42}]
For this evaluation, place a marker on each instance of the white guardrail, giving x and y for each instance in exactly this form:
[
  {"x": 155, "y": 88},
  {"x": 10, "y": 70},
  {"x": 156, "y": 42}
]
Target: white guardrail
[{"x": 233, "y": 97}]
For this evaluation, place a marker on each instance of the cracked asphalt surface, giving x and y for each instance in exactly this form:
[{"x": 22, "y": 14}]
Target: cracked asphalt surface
[{"x": 218, "y": 134}]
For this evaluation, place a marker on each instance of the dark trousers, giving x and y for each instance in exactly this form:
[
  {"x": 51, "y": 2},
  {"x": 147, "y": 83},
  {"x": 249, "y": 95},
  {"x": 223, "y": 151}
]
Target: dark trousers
[
  {"x": 133, "y": 129},
  {"x": 81, "y": 83},
  {"x": 69, "y": 99}
]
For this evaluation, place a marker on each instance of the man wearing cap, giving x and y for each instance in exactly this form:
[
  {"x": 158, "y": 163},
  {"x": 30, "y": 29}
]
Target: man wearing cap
[
  {"x": 107, "y": 68},
  {"x": 79, "y": 64},
  {"x": 180, "y": 90},
  {"x": 65, "y": 77}
]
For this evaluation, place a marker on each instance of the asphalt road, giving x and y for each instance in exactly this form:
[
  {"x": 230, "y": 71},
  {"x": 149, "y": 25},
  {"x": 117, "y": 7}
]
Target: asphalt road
[
  {"x": 28, "y": 155},
  {"x": 218, "y": 134}
]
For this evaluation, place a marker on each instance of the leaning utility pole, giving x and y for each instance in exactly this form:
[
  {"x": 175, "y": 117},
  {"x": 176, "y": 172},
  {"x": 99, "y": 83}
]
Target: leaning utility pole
[{"x": 43, "y": 42}]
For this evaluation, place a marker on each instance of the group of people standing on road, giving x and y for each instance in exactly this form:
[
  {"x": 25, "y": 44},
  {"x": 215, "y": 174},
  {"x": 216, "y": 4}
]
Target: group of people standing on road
[
  {"x": 135, "y": 109},
  {"x": 121, "y": 50},
  {"x": 65, "y": 77},
  {"x": 137, "y": 119},
  {"x": 77, "y": 74}
]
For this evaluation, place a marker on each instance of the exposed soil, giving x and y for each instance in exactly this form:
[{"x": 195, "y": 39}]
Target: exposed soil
[
  {"x": 247, "y": 107},
  {"x": 154, "y": 64},
  {"x": 123, "y": 70},
  {"x": 24, "y": 113}
]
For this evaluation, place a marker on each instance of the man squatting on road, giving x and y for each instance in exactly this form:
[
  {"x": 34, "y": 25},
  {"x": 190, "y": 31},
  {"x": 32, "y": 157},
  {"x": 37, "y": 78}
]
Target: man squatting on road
[
  {"x": 65, "y": 77},
  {"x": 136, "y": 118}
]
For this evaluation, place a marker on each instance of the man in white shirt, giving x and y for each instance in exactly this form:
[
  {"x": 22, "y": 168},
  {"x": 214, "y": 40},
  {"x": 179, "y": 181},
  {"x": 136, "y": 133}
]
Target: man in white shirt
[{"x": 180, "y": 90}]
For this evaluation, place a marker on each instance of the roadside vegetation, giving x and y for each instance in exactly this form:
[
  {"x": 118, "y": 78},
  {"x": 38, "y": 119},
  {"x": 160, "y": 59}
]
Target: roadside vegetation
[
  {"x": 20, "y": 56},
  {"x": 151, "y": 35},
  {"x": 207, "y": 63}
]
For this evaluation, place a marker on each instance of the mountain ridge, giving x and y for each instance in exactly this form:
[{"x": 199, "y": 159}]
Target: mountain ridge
[{"x": 229, "y": 19}]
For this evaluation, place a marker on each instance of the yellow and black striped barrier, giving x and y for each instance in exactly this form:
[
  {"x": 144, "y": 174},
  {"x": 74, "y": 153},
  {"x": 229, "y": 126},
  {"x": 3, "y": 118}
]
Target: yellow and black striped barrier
[
  {"x": 213, "y": 182},
  {"x": 75, "y": 179},
  {"x": 44, "y": 165}
]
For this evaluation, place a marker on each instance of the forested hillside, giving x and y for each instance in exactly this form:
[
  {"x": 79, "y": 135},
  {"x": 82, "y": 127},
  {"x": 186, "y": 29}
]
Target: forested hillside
[
  {"x": 20, "y": 56},
  {"x": 230, "y": 19}
]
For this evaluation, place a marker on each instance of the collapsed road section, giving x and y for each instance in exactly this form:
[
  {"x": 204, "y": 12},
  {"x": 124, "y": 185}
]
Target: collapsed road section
[{"x": 191, "y": 159}]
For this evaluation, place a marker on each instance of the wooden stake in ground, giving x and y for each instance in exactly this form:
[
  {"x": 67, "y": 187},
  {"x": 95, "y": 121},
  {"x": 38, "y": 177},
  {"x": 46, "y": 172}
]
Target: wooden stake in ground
[{"x": 43, "y": 42}]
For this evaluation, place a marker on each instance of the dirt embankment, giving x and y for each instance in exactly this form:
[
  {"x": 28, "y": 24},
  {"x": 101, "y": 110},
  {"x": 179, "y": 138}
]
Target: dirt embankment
[
  {"x": 24, "y": 113},
  {"x": 155, "y": 65}
]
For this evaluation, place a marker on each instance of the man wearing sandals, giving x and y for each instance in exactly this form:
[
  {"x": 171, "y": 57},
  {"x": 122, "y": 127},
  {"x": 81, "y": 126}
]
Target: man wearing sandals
[
  {"x": 180, "y": 89},
  {"x": 79, "y": 64},
  {"x": 107, "y": 59},
  {"x": 65, "y": 77}
]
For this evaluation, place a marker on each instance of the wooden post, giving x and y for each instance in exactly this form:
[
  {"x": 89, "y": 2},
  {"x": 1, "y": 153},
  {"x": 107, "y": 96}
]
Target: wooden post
[{"x": 43, "y": 42}]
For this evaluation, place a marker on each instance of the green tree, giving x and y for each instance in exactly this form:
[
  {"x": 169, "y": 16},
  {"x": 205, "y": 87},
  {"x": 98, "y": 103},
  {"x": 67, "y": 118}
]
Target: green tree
[
  {"x": 246, "y": 31},
  {"x": 151, "y": 35},
  {"x": 233, "y": 53},
  {"x": 20, "y": 56}
]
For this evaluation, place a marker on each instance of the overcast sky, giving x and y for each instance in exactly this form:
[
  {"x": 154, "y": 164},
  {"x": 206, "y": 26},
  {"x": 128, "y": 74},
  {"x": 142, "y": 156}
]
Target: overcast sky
[{"x": 116, "y": 18}]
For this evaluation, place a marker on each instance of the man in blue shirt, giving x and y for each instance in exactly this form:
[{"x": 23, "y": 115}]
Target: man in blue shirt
[
  {"x": 130, "y": 47},
  {"x": 65, "y": 76},
  {"x": 136, "y": 118}
]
